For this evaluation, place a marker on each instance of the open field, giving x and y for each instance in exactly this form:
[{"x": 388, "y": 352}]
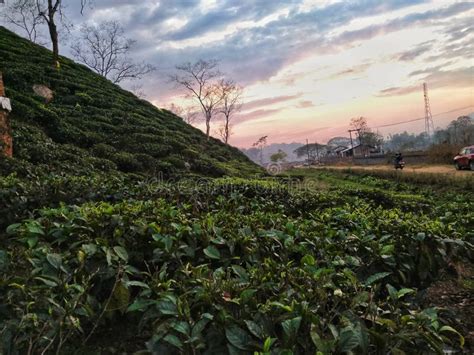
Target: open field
[{"x": 436, "y": 169}]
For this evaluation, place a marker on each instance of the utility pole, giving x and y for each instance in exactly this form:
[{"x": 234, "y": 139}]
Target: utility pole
[
  {"x": 307, "y": 150},
  {"x": 6, "y": 140},
  {"x": 352, "y": 144},
  {"x": 317, "y": 152}
]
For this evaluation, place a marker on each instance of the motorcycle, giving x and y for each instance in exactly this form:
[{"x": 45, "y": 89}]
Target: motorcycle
[{"x": 399, "y": 165}]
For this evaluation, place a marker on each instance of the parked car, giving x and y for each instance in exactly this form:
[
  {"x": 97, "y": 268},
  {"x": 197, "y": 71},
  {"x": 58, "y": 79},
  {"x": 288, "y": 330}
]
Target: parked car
[{"x": 465, "y": 158}]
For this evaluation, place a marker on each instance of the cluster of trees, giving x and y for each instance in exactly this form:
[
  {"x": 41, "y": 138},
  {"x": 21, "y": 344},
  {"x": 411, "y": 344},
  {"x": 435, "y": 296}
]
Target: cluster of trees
[
  {"x": 311, "y": 151},
  {"x": 279, "y": 156},
  {"x": 460, "y": 132},
  {"x": 211, "y": 93},
  {"x": 407, "y": 142}
]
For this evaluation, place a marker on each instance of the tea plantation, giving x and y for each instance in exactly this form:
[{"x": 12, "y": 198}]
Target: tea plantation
[
  {"x": 100, "y": 256},
  {"x": 331, "y": 264}
]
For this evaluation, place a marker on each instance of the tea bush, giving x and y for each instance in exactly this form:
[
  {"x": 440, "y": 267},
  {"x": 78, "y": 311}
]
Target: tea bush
[{"x": 224, "y": 266}]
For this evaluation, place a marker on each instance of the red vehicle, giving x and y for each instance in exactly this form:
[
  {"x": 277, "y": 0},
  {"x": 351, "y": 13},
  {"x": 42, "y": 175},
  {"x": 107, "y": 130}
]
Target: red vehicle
[{"x": 465, "y": 158}]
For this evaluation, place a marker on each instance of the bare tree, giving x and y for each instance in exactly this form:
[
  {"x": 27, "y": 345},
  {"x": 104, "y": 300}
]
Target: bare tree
[
  {"x": 189, "y": 114},
  {"x": 105, "y": 49},
  {"x": 364, "y": 133},
  {"x": 230, "y": 94},
  {"x": 23, "y": 14},
  {"x": 199, "y": 79},
  {"x": 47, "y": 10},
  {"x": 261, "y": 143}
]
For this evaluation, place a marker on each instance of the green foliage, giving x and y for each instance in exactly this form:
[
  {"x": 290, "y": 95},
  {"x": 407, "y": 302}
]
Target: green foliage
[
  {"x": 225, "y": 266},
  {"x": 279, "y": 156}
]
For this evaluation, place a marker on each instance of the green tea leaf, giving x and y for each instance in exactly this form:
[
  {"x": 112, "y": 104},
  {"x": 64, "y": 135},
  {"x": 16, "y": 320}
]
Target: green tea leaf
[
  {"x": 181, "y": 327},
  {"x": 376, "y": 277},
  {"x": 173, "y": 340},
  {"x": 348, "y": 340},
  {"x": 238, "y": 337},
  {"x": 47, "y": 282},
  {"x": 308, "y": 260},
  {"x": 268, "y": 344},
  {"x": 447, "y": 328},
  {"x": 121, "y": 252},
  {"x": 12, "y": 228},
  {"x": 212, "y": 252},
  {"x": 139, "y": 305},
  {"x": 34, "y": 228},
  {"x": 55, "y": 260},
  {"x": 240, "y": 271},
  {"x": 137, "y": 283},
  {"x": 167, "y": 307},
  {"x": 404, "y": 291},
  {"x": 255, "y": 329},
  {"x": 291, "y": 327}
]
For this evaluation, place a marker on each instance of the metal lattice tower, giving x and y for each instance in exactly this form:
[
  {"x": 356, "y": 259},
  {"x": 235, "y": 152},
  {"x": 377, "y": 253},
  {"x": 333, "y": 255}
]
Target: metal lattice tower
[{"x": 429, "y": 125}]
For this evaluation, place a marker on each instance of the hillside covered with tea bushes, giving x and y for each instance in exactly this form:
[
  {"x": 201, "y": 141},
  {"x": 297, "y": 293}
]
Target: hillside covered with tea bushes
[{"x": 92, "y": 124}]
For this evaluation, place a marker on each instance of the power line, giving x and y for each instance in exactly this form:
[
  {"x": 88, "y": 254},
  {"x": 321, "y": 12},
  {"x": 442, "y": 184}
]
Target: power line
[{"x": 422, "y": 118}]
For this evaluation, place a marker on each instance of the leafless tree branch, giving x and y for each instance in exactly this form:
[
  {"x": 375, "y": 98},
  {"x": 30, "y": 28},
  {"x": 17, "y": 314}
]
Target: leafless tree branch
[
  {"x": 230, "y": 94},
  {"x": 24, "y": 15},
  {"x": 104, "y": 49},
  {"x": 199, "y": 79}
]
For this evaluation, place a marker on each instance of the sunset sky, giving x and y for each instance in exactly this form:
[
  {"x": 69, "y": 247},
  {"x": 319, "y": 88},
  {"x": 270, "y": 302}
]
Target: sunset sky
[{"x": 308, "y": 66}]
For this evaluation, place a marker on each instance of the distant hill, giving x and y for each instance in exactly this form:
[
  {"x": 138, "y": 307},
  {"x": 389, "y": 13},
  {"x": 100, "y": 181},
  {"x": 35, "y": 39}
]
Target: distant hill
[{"x": 93, "y": 124}]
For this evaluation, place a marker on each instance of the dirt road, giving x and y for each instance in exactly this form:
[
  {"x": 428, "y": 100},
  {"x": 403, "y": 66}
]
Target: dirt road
[{"x": 438, "y": 169}]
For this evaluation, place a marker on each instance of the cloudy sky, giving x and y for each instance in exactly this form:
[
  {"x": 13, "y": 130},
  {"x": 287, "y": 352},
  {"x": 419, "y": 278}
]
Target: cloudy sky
[{"x": 308, "y": 66}]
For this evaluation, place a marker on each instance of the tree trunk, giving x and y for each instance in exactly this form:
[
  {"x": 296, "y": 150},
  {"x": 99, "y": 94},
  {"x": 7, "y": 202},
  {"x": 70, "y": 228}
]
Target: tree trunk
[
  {"x": 208, "y": 125},
  {"x": 53, "y": 30},
  {"x": 54, "y": 40},
  {"x": 226, "y": 130}
]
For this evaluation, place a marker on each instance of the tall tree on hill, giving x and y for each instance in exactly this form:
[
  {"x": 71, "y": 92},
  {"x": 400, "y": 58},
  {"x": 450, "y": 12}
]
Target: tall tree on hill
[
  {"x": 231, "y": 102},
  {"x": 47, "y": 10},
  {"x": 23, "y": 14},
  {"x": 200, "y": 81},
  {"x": 105, "y": 49}
]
